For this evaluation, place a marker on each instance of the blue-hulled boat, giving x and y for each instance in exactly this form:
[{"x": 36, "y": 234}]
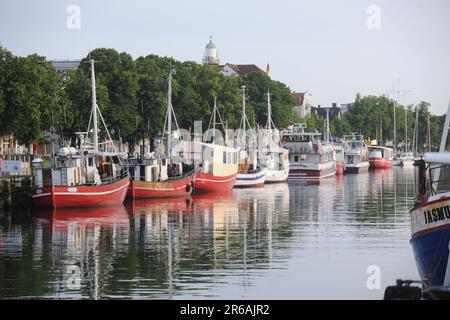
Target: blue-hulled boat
[{"x": 430, "y": 217}]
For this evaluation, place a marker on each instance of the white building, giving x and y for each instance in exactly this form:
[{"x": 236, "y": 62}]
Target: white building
[
  {"x": 210, "y": 56},
  {"x": 9, "y": 146},
  {"x": 303, "y": 102},
  {"x": 240, "y": 70}
]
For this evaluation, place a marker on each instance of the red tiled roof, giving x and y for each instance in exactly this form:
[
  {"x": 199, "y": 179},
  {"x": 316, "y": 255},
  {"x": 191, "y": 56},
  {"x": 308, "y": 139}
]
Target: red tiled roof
[
  {"x": 244, "y": 69},
  {"x": 298, "y": 97}
]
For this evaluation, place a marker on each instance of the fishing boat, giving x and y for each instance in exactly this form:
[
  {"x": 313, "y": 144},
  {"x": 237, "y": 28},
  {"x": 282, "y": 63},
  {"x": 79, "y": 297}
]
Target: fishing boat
[
  {"x": 430, "y": 217},
  {"x": 250, "y": 173},
  {"x": 83, "y": 177},
  {"x": 273, "y": 156},
  {"x": 338, "y": 150},
  {"x": 217, "y": 169},
  {"x": 355, "y": 154},
  {"x": 217, "y": 164},
  {"x": 158, "y": 175},
  {"x": 309, "y": 158},
  {"x": 380, "y": 157}
]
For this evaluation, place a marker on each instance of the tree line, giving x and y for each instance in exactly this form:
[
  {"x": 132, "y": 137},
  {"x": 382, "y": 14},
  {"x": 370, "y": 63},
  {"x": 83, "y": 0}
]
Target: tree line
[
  {"x": 373, "y": 116},
  {"x": 132, "y": 95}
]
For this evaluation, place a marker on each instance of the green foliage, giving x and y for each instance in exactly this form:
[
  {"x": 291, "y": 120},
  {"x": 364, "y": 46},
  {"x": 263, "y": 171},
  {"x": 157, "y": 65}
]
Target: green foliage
[
  {"x": 29, "y": 91},
  {"x": 132, "y": 95},
  {"x": 258, "y": 84}
]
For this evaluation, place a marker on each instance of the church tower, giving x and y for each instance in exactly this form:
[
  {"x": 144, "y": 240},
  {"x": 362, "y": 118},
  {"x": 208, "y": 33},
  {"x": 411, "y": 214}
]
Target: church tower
[{"x": 210, "y": 55}]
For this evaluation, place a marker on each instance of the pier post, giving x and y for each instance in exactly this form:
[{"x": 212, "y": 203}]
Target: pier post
[{"x": 7, "y": 201}]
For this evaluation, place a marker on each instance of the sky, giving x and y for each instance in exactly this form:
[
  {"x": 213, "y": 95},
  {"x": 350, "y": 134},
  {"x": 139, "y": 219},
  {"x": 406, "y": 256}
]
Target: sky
[{"x": 332, "y": 49}]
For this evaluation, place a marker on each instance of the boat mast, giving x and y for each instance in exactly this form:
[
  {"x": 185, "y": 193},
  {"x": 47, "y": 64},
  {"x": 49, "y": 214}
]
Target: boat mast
[
  {"x": 269, "y": 115},
  {"x": 381, "y": 131},
  {"x": 395, "y": 124},
  {"x": 94, "y": 106},
  {"x": 429, "y": 133},
  {"x": 416, "y": 131},
  {"x": 327, "y": 134},
  {"x": 214, "y": 119},
  {"x": 442, "y": 145},
  {"x": 406, "y": 130},
  {"x": 243, "y": 109},
  {"x": 243, "y": 119},
  {"x": 169, "y": 115}
]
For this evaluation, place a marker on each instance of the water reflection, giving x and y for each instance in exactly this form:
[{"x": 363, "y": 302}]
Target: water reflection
[{"x": 282, "y": 241}]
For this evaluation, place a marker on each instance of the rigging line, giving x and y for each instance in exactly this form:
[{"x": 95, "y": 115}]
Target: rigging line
[{"x": 106, "y": 128}]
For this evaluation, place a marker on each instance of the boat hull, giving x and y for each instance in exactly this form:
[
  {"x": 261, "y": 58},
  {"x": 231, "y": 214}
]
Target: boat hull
[
  {"x": 207, "y": 182},
  {"x": 81, "y": 196},
  {"x": 357, "y": 168},
  {"x": 273, "y": 176},
  {"x": 430, "y": 225},
  {"x": 316, "y": 173},
  {"x": 251, "y": 180},
  {"x": 380, "y": 163},
  {"x": 165, "y": 189}
]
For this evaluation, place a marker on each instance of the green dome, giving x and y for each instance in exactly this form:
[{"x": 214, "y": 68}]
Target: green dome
[{"x": 210, "y": 45}]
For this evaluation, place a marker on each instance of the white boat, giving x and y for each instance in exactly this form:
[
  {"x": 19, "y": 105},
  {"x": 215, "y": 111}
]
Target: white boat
[
  {"x": 309, "y": 158},
  {"x": 273, "y": 156},
  {"x": 355, "y": 154},
  {"x": 406, "y": 159},
  {"x": 250, "y": 173}
]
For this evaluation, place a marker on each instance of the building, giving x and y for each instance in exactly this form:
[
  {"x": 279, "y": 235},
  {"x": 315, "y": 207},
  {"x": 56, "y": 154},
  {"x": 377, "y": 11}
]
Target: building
[
  {"x": 62, "y": 66},
  {"x": 241, "y": 70},
  {"x": 344, "y": 107},
  {"x": 334, "y": 111},
  {"x": 9, "y": 146},
  {"x": 302, "y": 103},
  {"x": 210, "y": 56}
]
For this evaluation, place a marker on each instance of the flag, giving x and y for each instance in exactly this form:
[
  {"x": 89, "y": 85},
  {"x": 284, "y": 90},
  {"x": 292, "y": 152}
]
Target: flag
[{"x": 267, "y": 70}]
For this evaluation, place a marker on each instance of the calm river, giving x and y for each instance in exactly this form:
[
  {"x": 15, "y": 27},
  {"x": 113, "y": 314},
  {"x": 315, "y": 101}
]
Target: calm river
[{"x": 298, "y": 240}]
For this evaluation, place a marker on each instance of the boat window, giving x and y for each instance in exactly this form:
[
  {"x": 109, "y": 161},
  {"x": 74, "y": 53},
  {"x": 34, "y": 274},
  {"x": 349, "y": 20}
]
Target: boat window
[
  {"x": 224, "y": 157},
  {"x": 296, "y": 158},
  {"x": 91, "y": 162}
]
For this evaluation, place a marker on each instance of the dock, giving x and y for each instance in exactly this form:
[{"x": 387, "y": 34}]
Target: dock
[{"x": 15, "y": 191}]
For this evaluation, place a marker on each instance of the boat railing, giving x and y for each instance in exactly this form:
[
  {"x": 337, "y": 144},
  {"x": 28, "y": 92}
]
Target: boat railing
[
  {"x": 183, "y": 176},
  {"x": 250, "y": 171},
  {"x": 443, "y": 182}
]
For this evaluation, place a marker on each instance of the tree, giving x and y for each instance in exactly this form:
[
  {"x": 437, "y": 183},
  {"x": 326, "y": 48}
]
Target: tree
[{"x": 29, "y": 92}]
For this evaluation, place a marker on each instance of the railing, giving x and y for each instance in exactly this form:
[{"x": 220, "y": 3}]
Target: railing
[
  {"x": 444, "y": 171},
  {"x": 182, "y": 177},
  {"x": 249, "y": 171},
  {"x": 110, "y": 180}
]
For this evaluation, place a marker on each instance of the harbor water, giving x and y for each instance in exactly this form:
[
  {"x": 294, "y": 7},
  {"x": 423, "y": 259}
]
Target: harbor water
[{"x": 345, "y": 237}]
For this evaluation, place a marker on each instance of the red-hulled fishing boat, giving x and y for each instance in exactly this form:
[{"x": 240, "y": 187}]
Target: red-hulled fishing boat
[
  {"x": 217, "y": 163},
  {"x": 161, "y": 176},
  {"x": 380, "y": 157},
  {"x": 86, "y": 177},
  {"x": 218, "y": 168}
]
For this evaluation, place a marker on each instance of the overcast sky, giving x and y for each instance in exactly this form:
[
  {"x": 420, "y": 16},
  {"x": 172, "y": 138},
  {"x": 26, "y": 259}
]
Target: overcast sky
[{"x": 332, "y": 49}]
